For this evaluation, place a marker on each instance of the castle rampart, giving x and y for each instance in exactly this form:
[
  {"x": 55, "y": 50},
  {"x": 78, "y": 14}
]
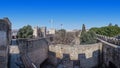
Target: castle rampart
[
  {"x": 35, "y": 49},
  {"x": 5, "y": 38}
]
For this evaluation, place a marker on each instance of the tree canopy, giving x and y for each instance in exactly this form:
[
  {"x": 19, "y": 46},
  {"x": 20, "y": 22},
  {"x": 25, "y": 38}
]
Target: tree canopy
[
  {"x": 63, "y": 37},
  {"x": 25, "y": 32},
  {"x": 110, "y": 24},
  {"x": 83, "y": 28},
  {"x": 110, "y": 31},
  {"x": 116, "y": 25},
  {"x": 87, "y": 37}
]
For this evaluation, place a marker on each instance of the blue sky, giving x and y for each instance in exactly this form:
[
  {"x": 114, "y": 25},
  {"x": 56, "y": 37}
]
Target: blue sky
[{"x": 71, "y": 13}]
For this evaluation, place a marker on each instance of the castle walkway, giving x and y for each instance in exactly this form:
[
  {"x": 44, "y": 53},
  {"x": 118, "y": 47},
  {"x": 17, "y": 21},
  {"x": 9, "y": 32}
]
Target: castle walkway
[{"x": 14, "y": 60}]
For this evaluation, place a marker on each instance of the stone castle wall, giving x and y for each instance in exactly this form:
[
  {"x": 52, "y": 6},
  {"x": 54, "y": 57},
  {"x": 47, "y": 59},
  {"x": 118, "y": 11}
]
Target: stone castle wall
[
  {"x": 111, "y": 54},
  {"x": 5, "y": 38},
  {"x": 84, "y": 56},
  {"x": 112, "y": 40},
  {"x": 35, "y": 49}
]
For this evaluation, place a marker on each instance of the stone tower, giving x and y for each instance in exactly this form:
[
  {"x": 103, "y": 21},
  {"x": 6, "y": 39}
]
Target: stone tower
[
  {"x": 5, "y": 39},
  {"x": 43, "y": 31},
  {"x": 36, "y": 32}
]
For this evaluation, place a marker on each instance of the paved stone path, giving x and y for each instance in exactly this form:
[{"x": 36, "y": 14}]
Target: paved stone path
[{"x": 14, "y": 54}]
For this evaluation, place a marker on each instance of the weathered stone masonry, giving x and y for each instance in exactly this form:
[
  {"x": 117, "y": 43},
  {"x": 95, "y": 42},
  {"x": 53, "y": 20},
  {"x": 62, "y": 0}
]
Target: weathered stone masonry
[
  {"x": 111, "y": 54},
  {"x": 5, "y": 39},
  {"x": 86, "y": 55},
  {"x": 83, "y": 56},
  {"x": 35, "y": 49}
]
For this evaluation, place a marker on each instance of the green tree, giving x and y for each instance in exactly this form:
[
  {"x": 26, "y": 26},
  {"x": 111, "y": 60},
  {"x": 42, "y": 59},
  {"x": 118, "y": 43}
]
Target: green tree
[
  {"x": 62, "y": 32},
  {"x": 83, "y": 28},
  {"x": 110, "y": 31},
  {"x": 116, "y": 25},
  {"x": 63, "y": 37},
  {"x": 110, "y": 24},
  {"x": 25, "y": 32},
  {"x": 60, "y": 36},
  {"x": 87, "y": 37}
]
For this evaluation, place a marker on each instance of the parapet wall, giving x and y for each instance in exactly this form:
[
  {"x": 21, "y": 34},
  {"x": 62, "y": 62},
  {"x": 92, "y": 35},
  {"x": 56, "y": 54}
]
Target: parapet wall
[
  {"x": 70, "y": 56},
  {"x": 5, "y": 38},
  {"x": 87, "y": 56},
  {"x": 35, "y": 49},
  {"x": 111, "y": 54},
  {"x": 112, "y": 40}
]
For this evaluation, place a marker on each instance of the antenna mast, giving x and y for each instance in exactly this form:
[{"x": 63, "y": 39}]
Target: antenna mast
[
  {"x": 61, "y": 26},
  {"x": 51, "y": 21}
]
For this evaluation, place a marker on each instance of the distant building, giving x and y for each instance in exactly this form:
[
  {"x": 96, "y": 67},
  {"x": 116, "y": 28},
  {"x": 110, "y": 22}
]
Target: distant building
[
  {"x": 39, "y": 32},
  {"x": 36, "y": 32},
  {"x": 43, "y": 31},
  {"x": 14, "y": 34},
  {"x": 51, "y": 31},
  {"x": 5, "y": 40}
]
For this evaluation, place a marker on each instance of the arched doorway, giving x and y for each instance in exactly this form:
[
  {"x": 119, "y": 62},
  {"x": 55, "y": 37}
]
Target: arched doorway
[{"x": 111, "y": 65}]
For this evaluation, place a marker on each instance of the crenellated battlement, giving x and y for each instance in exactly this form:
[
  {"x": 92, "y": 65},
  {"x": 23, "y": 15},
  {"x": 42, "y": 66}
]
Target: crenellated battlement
[{"x": 112, "y": 40}]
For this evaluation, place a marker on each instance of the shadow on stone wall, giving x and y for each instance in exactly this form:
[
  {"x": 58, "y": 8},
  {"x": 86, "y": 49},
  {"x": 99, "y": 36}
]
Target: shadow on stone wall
[
  {"x": 111, "y": 54},
  {"x": 65, "y": 62},
  {"x": 15, "y": 61},
  {"x": 111, "y": 65},
  {"x": 35, "y": 50},
  {"x": 90, "y": 62},
  {"x": 50, "y": 62}
]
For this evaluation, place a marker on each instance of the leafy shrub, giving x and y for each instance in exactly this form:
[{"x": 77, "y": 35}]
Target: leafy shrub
[
  {"x": 25, "y": 32},
  {"x": 110, "y": 31},
  {"x": 63, "y": 37},
  {"x": 88, "y": 37}
]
